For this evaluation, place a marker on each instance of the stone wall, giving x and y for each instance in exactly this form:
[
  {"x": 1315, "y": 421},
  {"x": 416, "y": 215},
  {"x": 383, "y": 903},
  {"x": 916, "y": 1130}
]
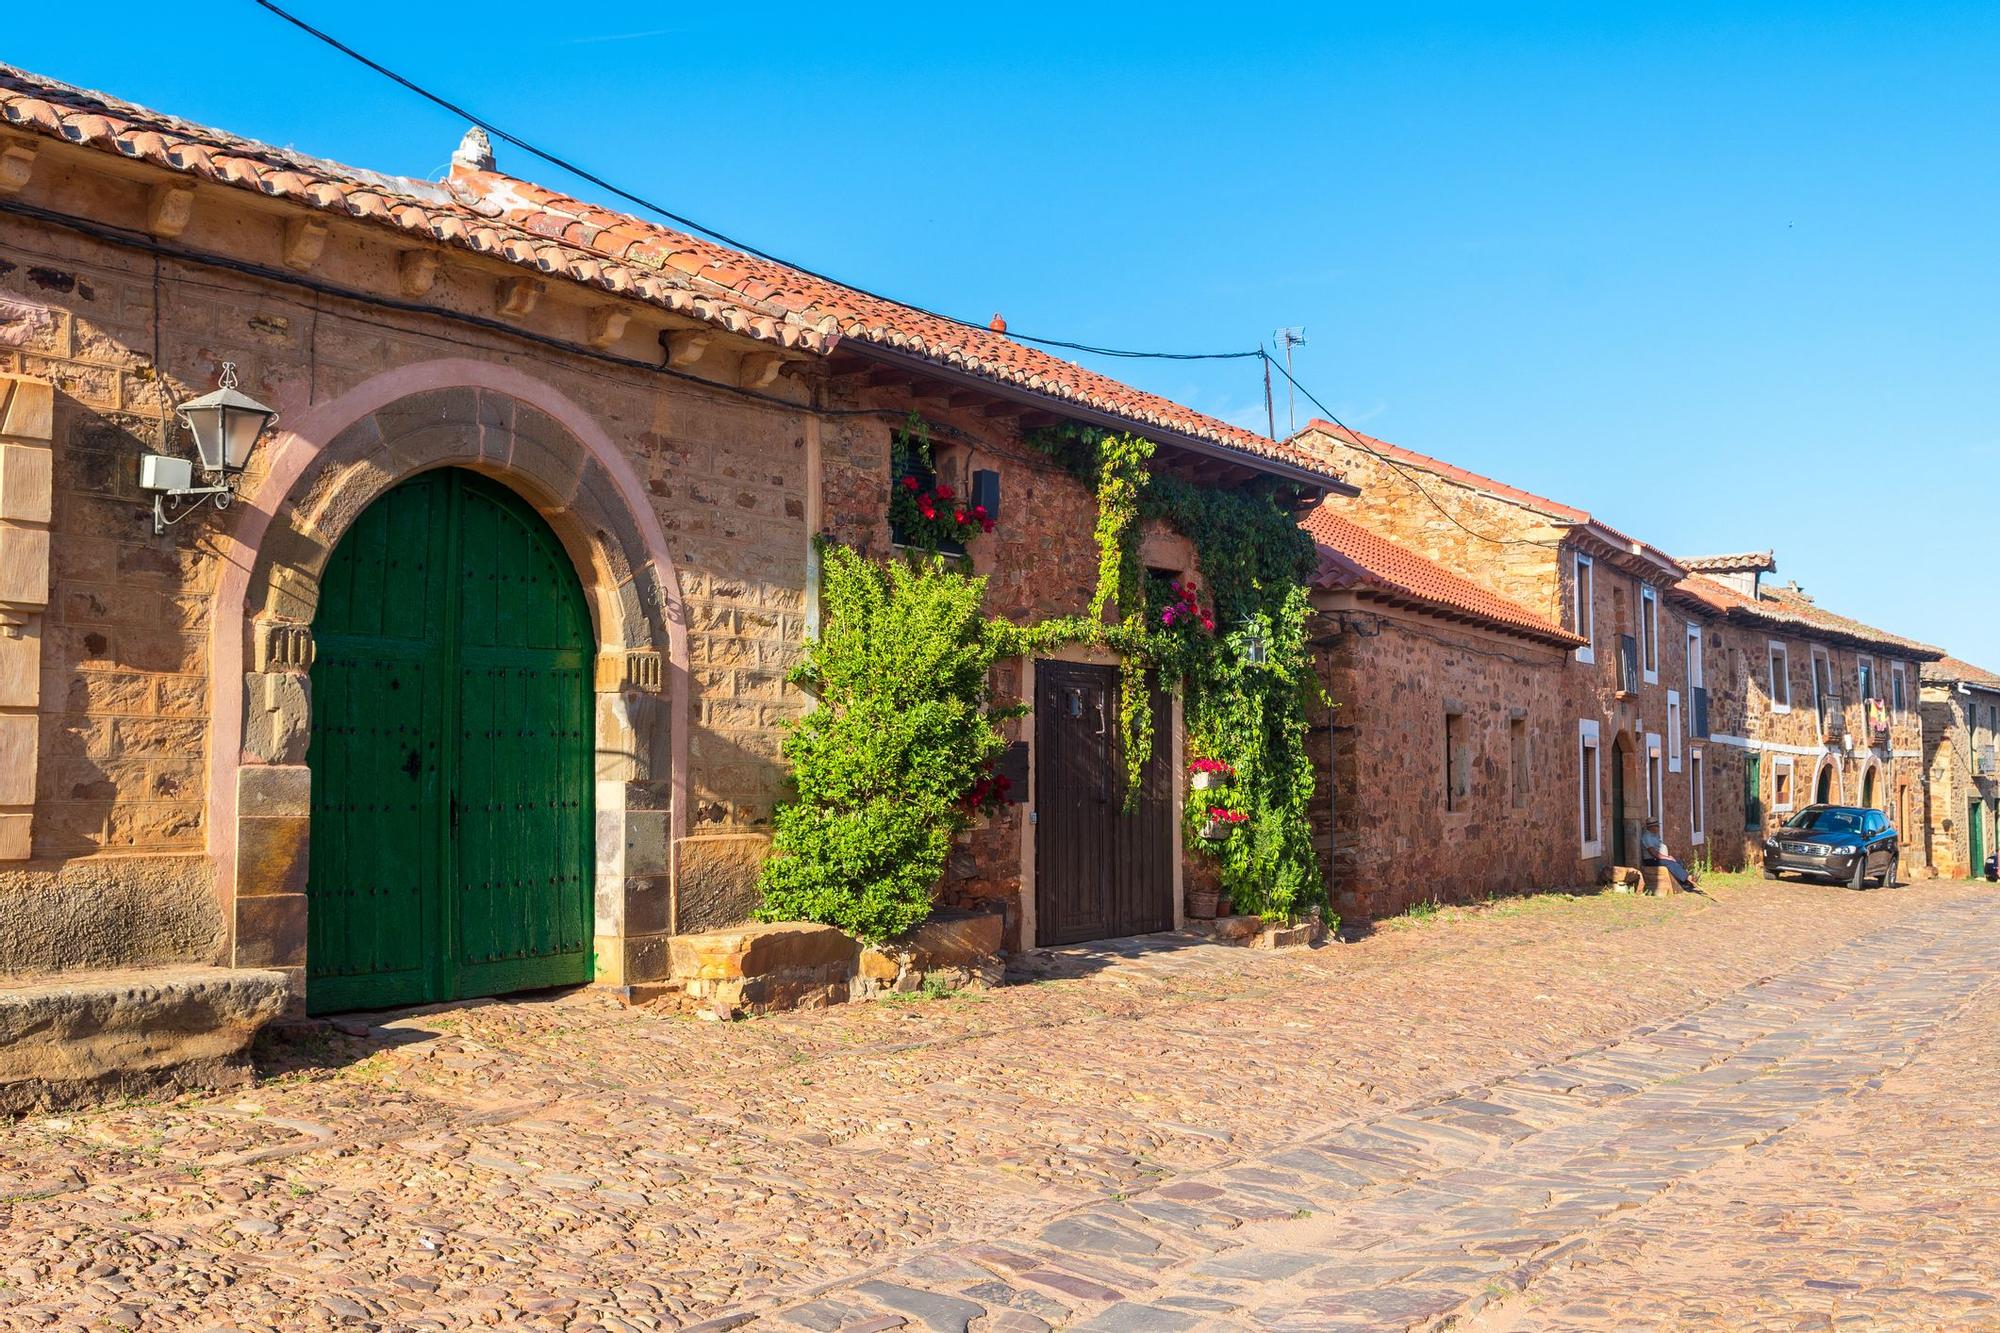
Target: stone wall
[
  {"x": 124, "y": 688},
  {"x": 1040, "y": 563},
  {"x": 1493, "y": 541},
  {"x": 1384, "y": 828},
  {"x": 1957, "y": 727}
]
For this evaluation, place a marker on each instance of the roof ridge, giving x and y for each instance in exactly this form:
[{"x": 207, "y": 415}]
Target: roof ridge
[{"x": 740, "y": 292}]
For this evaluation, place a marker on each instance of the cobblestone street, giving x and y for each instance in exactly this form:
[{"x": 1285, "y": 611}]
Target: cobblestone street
[{"x": 1772, "y": 1108}]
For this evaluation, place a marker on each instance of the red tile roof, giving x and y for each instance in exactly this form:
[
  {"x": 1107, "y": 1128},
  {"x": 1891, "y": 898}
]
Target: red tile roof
[
  {"x": 1541, "y": 504},
  {"x": 1350, "y": 556},
  {"x": 1730, "y": 564},
  {"x": 1788, "y": 608},
  {"x": 552, "y": 234},
  {"x": 1954, "y": 671}
]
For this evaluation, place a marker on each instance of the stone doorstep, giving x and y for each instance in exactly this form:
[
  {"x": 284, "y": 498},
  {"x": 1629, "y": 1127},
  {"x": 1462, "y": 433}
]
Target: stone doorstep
[
  {"x": 71, "y": 1038},
  {"x": 778, "y": 966},
  {"x": 1257, "y": 933}
]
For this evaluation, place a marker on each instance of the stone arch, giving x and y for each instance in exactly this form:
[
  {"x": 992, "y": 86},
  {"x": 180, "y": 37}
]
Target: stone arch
[
  {"x": 334, "y": 462},
  {"x": 1868, "y": 786},
  {"x": 1828, "y": 773}
]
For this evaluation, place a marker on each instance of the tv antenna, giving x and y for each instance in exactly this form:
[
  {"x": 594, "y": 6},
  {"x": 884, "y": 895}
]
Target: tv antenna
[{"x": 1292, "y": 337}]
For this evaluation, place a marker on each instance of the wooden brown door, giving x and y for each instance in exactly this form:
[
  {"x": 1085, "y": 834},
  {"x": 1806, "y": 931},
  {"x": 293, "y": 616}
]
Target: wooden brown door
[{"x": 1100, "y": 871}]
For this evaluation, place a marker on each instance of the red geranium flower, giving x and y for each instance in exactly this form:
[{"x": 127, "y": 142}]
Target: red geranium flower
[
  {"x": 943, "y": 491},
  {"x": 909, "y": 483}
]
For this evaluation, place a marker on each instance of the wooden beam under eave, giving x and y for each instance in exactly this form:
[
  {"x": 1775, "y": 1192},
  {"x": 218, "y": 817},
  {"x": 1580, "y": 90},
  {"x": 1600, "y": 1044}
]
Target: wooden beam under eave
[
  {"x": 758, "y": 370},
  {"x": 169, "y": 209},
  {"x": 17, "y": 165},
  {"x": 416, "y": 271},
  {"x": 685, "y": 346},
  {"x": 305, "y": 239},
  {"x": 605, "y": 325}
]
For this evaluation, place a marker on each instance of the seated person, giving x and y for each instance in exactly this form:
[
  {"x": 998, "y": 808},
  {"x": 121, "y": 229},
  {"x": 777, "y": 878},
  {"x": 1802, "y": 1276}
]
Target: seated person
[{"x": 1653, "y": 851}]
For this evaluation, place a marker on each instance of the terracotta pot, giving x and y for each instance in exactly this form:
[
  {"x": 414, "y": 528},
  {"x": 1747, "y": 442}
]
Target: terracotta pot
[{"x": 1203, "y": 904}]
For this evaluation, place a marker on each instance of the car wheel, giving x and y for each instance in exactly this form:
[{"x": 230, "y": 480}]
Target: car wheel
[
  {"x": 1889, "y": 875},
  {"x": 1769, "y": 873},
  {"x": 1860, "y": 880}
]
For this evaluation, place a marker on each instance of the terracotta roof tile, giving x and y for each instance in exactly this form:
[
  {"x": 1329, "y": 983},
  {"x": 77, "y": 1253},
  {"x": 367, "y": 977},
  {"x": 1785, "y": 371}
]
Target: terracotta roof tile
[
  {"x": 1787, "y": 608},
  {"x": 1729, "y": 564},
  {"x": 483, "y": 211},
  {"x": 1954, "y": 671},
  {"x": 1350, "y": 556},
  {"x": 1466, "y": 477}
]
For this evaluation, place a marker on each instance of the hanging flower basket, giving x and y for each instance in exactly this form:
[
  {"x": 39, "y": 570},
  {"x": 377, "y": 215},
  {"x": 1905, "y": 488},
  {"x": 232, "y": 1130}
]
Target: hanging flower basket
[
  {"x": 1209, "y": 773},
  {"x": 1221, "y": 823}
]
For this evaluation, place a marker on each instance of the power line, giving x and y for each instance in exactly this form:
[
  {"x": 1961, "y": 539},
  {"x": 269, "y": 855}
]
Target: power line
[
  {"x": 1359, "y": 441},
  {"x": 640, "y": 201}
]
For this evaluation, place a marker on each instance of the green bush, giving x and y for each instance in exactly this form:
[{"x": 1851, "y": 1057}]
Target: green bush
[{"x": 883, "y": 766}]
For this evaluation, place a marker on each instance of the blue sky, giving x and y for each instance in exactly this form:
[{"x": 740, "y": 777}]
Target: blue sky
[{"x": 1724, "y": 275}]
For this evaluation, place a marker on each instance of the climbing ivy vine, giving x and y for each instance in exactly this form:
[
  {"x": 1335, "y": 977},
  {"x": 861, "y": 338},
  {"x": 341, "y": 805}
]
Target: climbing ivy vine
[{"x": 899, "y": 756}]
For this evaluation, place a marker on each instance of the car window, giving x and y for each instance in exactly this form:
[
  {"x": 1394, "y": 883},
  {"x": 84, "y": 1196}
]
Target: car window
[
  {"x": 1826, "y": 820},
  {"x": 1875, "y": 822}
]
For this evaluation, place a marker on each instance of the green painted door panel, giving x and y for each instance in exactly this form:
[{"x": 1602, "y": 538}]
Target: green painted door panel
[{"x": 451, "y": 754}]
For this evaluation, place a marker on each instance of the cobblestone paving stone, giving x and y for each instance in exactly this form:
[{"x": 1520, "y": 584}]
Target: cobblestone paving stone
[{"x": 1389, "y": 1132}]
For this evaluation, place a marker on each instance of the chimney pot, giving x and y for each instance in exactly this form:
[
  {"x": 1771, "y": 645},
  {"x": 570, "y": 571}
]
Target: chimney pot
[
  {"x": 475, "y": 151},
  {"x": 997, "y": 324}
]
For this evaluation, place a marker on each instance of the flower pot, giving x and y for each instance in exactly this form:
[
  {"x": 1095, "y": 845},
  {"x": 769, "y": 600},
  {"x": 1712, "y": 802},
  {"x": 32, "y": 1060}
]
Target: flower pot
[
  {"x": 1215, "y": 830},
  {"x": 1205, "y": 780},
  {"x": 1203, "y": 904}
]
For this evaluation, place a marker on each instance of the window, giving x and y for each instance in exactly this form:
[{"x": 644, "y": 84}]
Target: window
[
  {"x": 1649, "y": 632},
  {"x": 1589, "y": 774},
  {"x": 1864, "y": 671},
  {"x": 1585, "y": 621},
  {"x": 1673, "y": 731},
  {"x": 1753, "y": 793},
  {"x": 1656, "y": 787},
  {"x": 1781, "y": 678},
  {"x": 1517, "y": 760},
  {"x": 1822, "y": 679},
  {"x": 1457, "y": 763},
  {"x": 1697, "y": 799},
  {"x": 1697, "y": 678},
  {"x": 1898, "y": 701},
  {"x": 1781, "y": 783}
]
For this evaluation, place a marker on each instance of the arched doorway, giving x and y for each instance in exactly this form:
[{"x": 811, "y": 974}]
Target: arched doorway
[
  {"x": 1868, "y": 787},
  {"x": 451, "y": 753},
  {"x": 1621, "y": 843},
  {"x": 1826, "y": 789}
]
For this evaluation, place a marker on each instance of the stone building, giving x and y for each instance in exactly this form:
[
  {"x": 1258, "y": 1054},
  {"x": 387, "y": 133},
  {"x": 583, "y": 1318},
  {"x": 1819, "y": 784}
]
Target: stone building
[
  {"x": 1960, "y": 704},
  {"x": 480, "y": 680},
  {"x": 1810, "y": 705},
  {"x": 1629, "y": 736},
  {"x": 1451, "y": 777}
]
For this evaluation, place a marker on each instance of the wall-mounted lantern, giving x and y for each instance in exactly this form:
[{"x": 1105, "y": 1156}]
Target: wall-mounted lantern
[
  {"x": 226, "y": 425},
  {"x": 1250, "y": 631}
]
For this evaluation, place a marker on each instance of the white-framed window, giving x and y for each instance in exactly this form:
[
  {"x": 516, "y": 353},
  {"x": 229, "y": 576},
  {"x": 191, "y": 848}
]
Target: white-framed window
[
  {"x": 1584, "y": 608},
  {"x": 1864, "y": 675},
  {"x": 1673, "y": 731},
  {"x": 1822, "y": 677},
  {"x": 1781, "y": 677},
  {"x": 1782, "y": 776},
  {"x": 1697, "y": 798},
  {"x": 1589, "y": 788},
  {"x": 1697, "y": 676},
  {"x": 1649, "y": 633},
  {"x": 1656, "y": 784},
  {"x": 1898, "y": 689}
]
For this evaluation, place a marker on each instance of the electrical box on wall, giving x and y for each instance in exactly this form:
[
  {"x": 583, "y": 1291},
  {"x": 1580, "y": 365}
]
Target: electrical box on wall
[{"x": 162, "y": 472}]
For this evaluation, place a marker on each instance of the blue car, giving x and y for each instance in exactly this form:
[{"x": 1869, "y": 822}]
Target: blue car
[{"x": 1846, "y": 844}]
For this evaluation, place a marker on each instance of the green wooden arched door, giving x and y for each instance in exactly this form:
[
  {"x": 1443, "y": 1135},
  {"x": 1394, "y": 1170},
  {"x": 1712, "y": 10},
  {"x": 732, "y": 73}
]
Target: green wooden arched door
[{"x": 451, "y": 754}]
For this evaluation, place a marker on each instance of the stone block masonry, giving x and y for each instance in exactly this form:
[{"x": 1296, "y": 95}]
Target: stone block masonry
[{"x": 27, "y": 415}]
